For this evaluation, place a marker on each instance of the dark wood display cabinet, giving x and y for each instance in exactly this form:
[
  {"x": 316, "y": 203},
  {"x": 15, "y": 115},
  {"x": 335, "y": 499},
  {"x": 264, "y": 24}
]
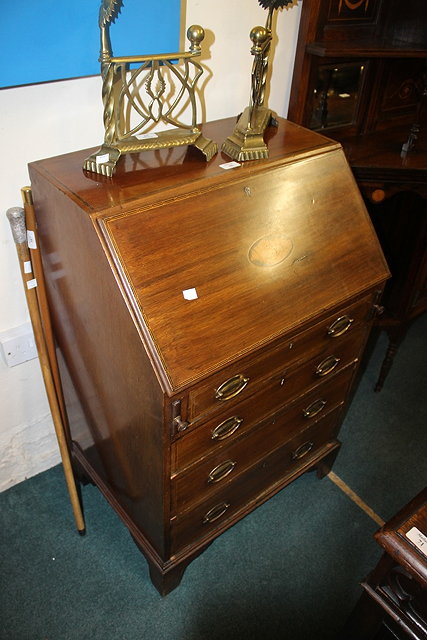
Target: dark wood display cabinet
[
  {"x": 360, "y": 77},
  {"x": 209, "y": 323}
]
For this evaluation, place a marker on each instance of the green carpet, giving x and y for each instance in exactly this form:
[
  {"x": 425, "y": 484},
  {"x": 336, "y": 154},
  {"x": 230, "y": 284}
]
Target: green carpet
[
  {"x": 385, "y": 434},
  {"x": 291, "y": 569}
]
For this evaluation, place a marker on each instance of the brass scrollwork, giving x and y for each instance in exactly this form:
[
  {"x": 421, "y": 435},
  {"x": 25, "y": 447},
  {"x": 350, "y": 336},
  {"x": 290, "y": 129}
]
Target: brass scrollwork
[{"x": 139, "y": 92}]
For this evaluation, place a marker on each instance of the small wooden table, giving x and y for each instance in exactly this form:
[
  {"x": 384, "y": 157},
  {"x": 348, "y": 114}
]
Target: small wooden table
[{"x": 394, "y": 601}]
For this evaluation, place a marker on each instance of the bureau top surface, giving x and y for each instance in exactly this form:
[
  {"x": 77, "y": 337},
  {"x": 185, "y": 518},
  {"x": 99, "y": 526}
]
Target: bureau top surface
[
  {"x": 223, "y": 262},
  {"x": 150, "y": 173}
]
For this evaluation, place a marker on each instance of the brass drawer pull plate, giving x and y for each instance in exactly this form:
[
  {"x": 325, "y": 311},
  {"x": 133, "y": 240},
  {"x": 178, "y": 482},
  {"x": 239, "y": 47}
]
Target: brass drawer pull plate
[
  {"x": 215, "y": 513},
  {"x": 340, "y": 326},
  {"x": 221, "y": 471},
  {"x": 327, "y": 366},
  {"x": 227, "y": 428},
  {"x": 314, "y": 408},
  {"x": 302, "y": 451},
  {"x": 231, "y": 387}
]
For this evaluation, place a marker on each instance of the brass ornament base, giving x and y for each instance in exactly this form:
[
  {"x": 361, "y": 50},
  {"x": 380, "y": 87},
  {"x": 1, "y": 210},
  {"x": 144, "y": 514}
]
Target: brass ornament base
[
  {"x": 104, "y": 160},
  {"x": 247, "y": 140}
]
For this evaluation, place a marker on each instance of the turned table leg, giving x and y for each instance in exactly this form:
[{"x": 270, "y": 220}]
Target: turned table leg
[{"x": 396, "y": 335}]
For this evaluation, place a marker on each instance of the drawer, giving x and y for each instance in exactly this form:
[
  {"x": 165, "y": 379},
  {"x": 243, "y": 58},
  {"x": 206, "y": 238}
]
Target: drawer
[
  {"x": 223, "y": 466},
  {"x": 283, "y": 387},
  {"x": 222, "y": 509},
  {"x": 245, "y": 378}
]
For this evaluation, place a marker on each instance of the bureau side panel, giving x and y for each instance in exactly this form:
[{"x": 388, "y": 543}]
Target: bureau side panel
[{"x": 113, "y": 398}]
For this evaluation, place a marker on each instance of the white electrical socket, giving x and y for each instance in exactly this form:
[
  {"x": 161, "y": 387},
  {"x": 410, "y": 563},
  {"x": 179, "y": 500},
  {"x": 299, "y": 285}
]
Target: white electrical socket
[{"x": 18, "y": 345}]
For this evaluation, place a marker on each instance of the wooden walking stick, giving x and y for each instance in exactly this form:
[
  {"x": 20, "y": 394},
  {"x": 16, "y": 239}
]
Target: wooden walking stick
[
  {"x": 16, "y": 217},
  {"x": 31, "y": 228}
]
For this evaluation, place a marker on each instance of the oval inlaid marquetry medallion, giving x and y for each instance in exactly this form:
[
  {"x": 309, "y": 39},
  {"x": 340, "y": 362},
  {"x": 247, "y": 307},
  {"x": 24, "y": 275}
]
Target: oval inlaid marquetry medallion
[{"x": 270, "y": 250}]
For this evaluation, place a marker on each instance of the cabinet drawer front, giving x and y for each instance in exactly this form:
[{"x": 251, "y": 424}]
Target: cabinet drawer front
[
  {"x": 242, "y": 380},
  {"x": 284, "y": 386},
  {"x": 256, "y": 485},
  {"x": 223, "y": 466}
]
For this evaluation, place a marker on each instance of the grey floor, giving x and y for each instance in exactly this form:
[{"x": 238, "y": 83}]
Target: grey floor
[{"x": 291, "y": 569}]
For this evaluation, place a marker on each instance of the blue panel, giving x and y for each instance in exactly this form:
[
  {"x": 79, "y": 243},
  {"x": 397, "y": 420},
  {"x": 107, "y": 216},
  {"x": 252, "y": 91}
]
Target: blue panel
[{"x": 43, "y": 40}]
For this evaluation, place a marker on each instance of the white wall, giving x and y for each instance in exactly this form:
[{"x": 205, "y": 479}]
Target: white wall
[{"x": 50, "y": 119}]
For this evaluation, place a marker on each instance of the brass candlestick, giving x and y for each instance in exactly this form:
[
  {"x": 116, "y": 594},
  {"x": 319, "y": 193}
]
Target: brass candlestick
[
  {"x": 247, "y": 140},
  {"x": 125, "y": 79}
]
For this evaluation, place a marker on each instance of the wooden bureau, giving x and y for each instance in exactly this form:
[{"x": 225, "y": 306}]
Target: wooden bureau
[{"x": 209, "y": 325}]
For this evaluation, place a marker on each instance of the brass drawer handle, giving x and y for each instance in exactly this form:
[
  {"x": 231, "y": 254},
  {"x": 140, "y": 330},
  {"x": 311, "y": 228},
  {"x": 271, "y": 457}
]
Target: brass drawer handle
[
  {"x": 227, "y": 428},
  {"x": 221, "y": 471},
  {"x": 314, "y": 408},
  {"x": 340, "y": 326},
  {"x": 216, "y": 512},
  {"x": 302, "y": 451},
  {"x": 231, "y": 387},
  {"x": 327, "y": 366}
]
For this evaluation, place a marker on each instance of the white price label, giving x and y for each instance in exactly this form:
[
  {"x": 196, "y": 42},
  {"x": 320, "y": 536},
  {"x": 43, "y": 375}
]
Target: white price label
[
  {"x": 101, "y": 159},
  {"x": 418, "y": 538},
  {"x": 31, "y": 284},
  {"x": 190, "y": 294},
  {"x": 230, "y": 165},
  {"x": 31, "y": 240}
]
